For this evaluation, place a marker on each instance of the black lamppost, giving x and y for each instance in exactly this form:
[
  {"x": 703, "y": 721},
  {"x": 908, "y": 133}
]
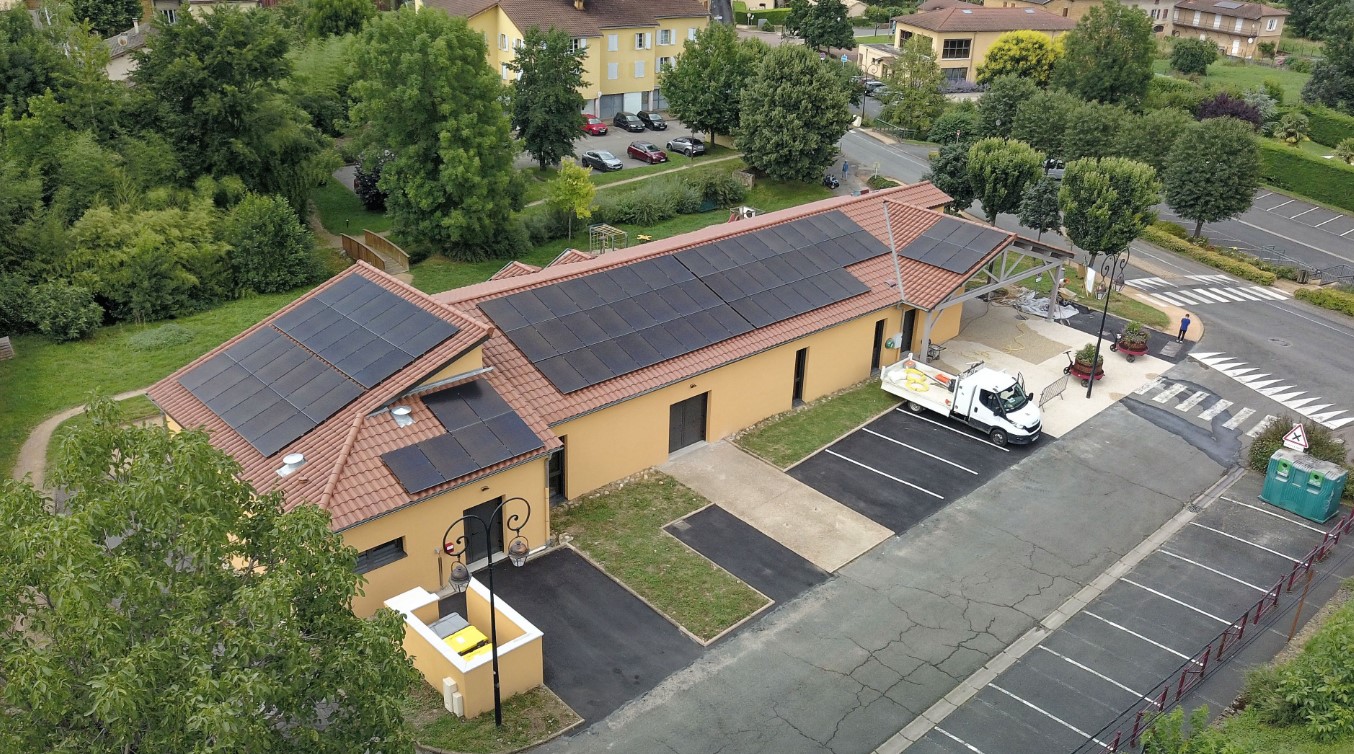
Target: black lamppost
[
  {"x": 1110, "y": 270},
  {"x": 460, "y": 573}
]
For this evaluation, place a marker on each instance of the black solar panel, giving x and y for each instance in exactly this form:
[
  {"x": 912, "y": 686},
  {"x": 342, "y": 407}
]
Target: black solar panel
[
  {"x": 953, "y": 245},
  {"x": 482, "y": 430}
]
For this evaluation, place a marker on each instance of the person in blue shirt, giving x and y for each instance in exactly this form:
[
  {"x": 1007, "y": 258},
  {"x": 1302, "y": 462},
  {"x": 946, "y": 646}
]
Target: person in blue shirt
[{"x": 1184, "y": 327}]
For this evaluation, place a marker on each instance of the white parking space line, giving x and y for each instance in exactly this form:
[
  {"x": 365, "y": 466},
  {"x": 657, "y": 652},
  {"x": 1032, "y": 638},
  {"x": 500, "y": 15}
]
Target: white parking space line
[
  {"x": 1351, "y": 230},
  {"x": 883, "y": 474},
  {"x": 1166, "y": 395},
  {"x": 1215, "y": 409},
  {"x": 957, "y": 740},
  {"x": 1265, "y": 422},
  {"x": 1179, "y": 602},
  {"x": 1318, "y": 225},
  {"x": 1210, "y": 569},
  {"x": 952, "y": 429},
  {"x": 1285, "y": 204},
  {"x": 1258, "y": 197},
  {"x": 1047, "y": 714},
  {"x": 1192, "y": 401},
  {"x": 1241, "y": 416},
  {"x": 1131, "y": 632},
  {"x": 1243, "y": 541},
  {"x": 1092, "y": 671},
  {"x": 1276, "y": 515},
  {"x": 919, "y": 450},
  {"x": 1305, "y": 211}
]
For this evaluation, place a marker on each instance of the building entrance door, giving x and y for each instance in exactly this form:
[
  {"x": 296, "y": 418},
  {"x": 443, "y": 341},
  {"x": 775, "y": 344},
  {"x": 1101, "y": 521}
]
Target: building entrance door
[
  {"x": 477, "y": 547},
  {"x": 686, "y": 423}
]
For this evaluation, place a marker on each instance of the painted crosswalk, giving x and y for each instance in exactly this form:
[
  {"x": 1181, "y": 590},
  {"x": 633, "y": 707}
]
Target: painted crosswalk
[
  {"x": 1200, "y": 290},
  {"x": 1281, "y": 391},
  {"x": 1207, "y": 405}
]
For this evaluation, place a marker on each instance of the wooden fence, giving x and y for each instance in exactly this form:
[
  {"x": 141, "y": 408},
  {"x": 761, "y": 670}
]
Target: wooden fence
[{"x": 377, "y": 251}]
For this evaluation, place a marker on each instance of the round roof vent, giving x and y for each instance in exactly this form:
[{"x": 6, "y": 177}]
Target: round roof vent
[
  {"x": 401, "y": 410},
  {"x": 294, "y": 459}
]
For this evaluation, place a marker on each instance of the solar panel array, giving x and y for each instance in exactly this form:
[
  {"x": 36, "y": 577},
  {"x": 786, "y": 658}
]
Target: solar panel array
[
  {"x": 953, "y": 245},
  {"x": 482, "y": 430},
  {"x": 587, "y": 330},
  {"x": 351, "y": 336}
]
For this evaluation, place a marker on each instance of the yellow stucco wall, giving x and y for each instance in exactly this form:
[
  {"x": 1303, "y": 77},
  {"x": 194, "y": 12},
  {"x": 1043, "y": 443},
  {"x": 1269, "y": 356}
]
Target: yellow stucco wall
[
  {"x": 620, "y": 440},
  {"x": 423, "y": 524},
  {"x": 468, "y": 362},
  {"x": 979, "y": 43}
]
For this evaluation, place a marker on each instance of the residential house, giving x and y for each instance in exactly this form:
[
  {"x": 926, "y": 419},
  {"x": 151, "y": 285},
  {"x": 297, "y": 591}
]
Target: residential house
[
  {"x": 627, "y": 41},
  {"x": 170, "y": 10},
  {"x": 398, "y": 412},
  {"x": 960, "y": 37},
  {"x": 1237, "y": 28},
  {"x": 1158, "y": 10},
  {"x": 120, "y": 49}
]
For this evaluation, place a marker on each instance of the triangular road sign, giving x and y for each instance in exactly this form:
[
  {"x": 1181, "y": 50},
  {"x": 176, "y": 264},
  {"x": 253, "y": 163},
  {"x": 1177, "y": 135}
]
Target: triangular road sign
[{"x": 1296, "y": 438}]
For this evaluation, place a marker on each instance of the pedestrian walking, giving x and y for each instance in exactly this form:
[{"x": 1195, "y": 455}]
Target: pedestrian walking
[
  {"x": 846, "y": 166},
  {"x": 1184, "y": 327}
]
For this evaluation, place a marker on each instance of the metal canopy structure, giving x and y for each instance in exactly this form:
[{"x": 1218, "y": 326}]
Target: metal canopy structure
[{"x": 603, "y": 238}]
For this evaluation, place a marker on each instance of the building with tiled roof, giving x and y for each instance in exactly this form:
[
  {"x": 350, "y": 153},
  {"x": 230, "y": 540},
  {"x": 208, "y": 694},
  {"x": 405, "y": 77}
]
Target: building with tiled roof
[
  {"x": 1237, "y": 28},
  {"x": 961, "y": 36},
  {"x": 398, "y": 412},
  {"x": 1159, "y": 11},
  {"x": 627, "y": 42}
]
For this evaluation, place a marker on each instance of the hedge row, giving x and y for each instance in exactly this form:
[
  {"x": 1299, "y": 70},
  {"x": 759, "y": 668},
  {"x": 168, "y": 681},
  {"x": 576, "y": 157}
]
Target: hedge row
[
  {"x": 1329, "y": 298},
  {"x": 773, "y": 16},
  {"x": 1328, "y": 126},
  {"x": 1326, "y": 181},
  {"x": 1210, "y": 258}
]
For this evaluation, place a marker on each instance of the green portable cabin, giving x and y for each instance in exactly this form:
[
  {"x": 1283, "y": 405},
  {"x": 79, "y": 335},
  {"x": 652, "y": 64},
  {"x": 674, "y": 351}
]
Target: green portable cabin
[{"x": 1304, "y": 485}]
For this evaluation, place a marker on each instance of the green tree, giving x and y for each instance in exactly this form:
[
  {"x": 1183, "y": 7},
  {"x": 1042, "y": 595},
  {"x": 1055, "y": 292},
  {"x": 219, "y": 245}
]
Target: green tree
[
  {"x": 1212, "y": 172},
  {"x": 1091, "y": 131},
  {"x": 949, "y": 173},
  {"x": 997, "y": 108},
  {"x": 451, "y": 184},
  {"x": 545, "y": 98},
  {"x": 571, "y": 192},
  {"x": 825, "y": 25},
  {"x": 704, "y": 89},
  {"x": 1149, "y": 137},
  {"x": 1027, "y": 55},
  {"x": 999, "y": 170},
  {"x": 185, "y": 612},
  {"x": 1292, "y": 128},
  {"x": 270, "y": 251},
  {"x": 1107, "y": 202},
  {"x": 107, "y": 17},
  {"x": 1041, "y": 121},
  {"x": 1108, "y": 55},
  {"x": 337, "y": 17},
  {"x": 1311, "y": 18},
  {"x": 1039, "y": 209},
  {"x": 958, "y": 123},
  {"x": 1193, "y": 56},
  {"x": 915, "y": 99},
  {"x": 31, "y": 64},
  {"x": 793, "y": 115}
]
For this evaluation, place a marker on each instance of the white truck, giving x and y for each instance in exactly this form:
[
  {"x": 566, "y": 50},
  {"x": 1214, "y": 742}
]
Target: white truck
[{"x": 989, "y": 400}]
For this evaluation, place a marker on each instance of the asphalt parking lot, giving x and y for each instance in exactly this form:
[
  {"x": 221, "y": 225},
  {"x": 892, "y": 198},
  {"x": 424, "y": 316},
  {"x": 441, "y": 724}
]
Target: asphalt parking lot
[
  {"x": 617, "y": 139},
  {"x": 1332, "y": 222},
  {"x": 1141, "y": 630},
  {"x": 903, "y": 467}
]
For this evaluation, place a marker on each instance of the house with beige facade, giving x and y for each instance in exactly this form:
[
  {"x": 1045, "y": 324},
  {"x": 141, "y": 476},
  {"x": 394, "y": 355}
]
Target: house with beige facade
[
  {"x": 960, "y": 37},
  {"x": 1157, "y": 10},
  {"x": 1237, "y": 28},
  {"x": 627, "y": 41}
]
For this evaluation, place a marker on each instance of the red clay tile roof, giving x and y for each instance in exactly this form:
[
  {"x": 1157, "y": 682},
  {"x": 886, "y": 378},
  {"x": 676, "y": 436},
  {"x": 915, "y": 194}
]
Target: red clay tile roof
[
  {"x": 569, "y": 257},
  {"x": 925, "y": 286},
  {"x": 589, "y": 22},
  {"x": 978, "y": 18},
  {"x": 514, "y": 269},
  {"x": 1239, "y": 10},
  {"x": 930, "y": 5},
  {"x": 338, "y": 473}
]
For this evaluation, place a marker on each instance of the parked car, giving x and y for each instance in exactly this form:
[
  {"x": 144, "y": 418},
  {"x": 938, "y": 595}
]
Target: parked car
[
  {"x": 601, "y": 160},
  {"x": 1054, "y": 169},
  {"x": 646, "y": 151},
  {"x": 628, "y": 121},
  {"x": 653, "y": 120},
  {"x": 879, "y": 92},
  {"x": 687, "y": 145},
  {"x": 593, "y": 125},
  {"x": 871, "y": 84}
]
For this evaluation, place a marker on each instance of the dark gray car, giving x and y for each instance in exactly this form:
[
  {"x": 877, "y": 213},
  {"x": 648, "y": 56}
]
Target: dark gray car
[
  {"x": 653, "y": 120},
  {"x": 628, "y": 121},
  {"x": 600, "y": 159}
]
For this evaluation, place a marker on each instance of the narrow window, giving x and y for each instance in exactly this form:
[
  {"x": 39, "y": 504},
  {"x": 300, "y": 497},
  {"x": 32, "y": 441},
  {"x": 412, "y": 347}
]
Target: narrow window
[{"x": 380, "y": 555}]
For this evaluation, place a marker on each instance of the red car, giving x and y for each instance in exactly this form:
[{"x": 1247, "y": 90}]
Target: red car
[
  {"x": 646, "y": 151},
  {"x": 593, "y": 125}
]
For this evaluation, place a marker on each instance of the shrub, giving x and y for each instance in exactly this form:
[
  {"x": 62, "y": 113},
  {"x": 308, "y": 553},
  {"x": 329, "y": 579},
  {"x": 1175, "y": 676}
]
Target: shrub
[
  {"x": 879, "y": 182},
  {"x": 1224, "y": 105},
  {"x": 1321, "y": 443},
  {"x": 1292, "y": 128},
  {"x": 270, "y": 251},
  {"x": 1327, "y": 298},
  {"x": 164, "y": 336},
  {"x": 1319, "y": 683},
  {"x": 540, "y": 227},
  {"x": 718, "y": 187},
  {"x": 961, "y": 119},
  {"x": 1326, "y": 181},
  {"x": 15, "y": 316},
  {"x": 1193, "y": 56},
  {"x": 365, "y": 179},
  {"x": 774, "y": 16},
  {"x": 1174, "y": 229},
  {"x": 1345, "y": 151},
  {"x": 64, "y": 312},
  {"x": 1164, "y": 91},
  {"x": 1210, "y": 258},
  {"x": 1329, "y": 127},
  {"x": 1299, "y": 65}
]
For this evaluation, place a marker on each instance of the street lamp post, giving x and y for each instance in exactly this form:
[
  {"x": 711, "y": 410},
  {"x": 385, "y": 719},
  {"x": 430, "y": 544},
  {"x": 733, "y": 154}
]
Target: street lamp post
[
  {"x": 1110, "y": 270},
  {"x": 460, "y": 572}
]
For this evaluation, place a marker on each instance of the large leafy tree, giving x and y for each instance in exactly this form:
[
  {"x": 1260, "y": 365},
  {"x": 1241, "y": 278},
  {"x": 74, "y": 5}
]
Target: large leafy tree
[
  {"x": 1041, "y": 121},
  {"x": 334, "y": 17},
  {"x": 1332, "y": 81},
  {"x": 1091, "y": 130},
  {"x": 545, "y": 98},
  {"x": 1193, "y": 56},
  {"x": 824, "y": 25},
  {"x": 1039, "y": 209},
  {"x": 426, "y": 93},
  {"x": 915, "y": 99},
  {"x": 705, "y": 88},
  {"x": 1149, "y": 137},
  {"x": 1028, "y": 55},
  {"x": 1212, "y": 172},
  {"x": 998, "y": 106},
  {"x": 1312, "y": 18},
  {"x": 1108, "y": 55},
  {"x": 1107, "y": 202},
  {"x": 167, "y": 607},
  {"x": 999, "y": 170},
  {"x": 793, "y": 115},
  {"x": 107, "y": 17},
  {"x": 949, "y": 173},
  {"x": 31, "y": 64}
]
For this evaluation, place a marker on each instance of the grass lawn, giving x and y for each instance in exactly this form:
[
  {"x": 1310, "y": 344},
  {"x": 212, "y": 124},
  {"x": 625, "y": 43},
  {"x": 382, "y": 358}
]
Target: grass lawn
[
  {"x": 1249, "y": 734},
  {"x": 621, "y": 527},
  {"x": 47, "y": 377},
  {"x": 1246, "y": 76},
  {"x": 1316, "y": 150},
  {"x": 133, "y": 410},
  {"x": 341, "y": 212},
  {"x": 877, "y": 39},
  {"x": 527, "y": 718},
  {"x": 790, "y": 437},
  {"x": 635, "y": 169}
]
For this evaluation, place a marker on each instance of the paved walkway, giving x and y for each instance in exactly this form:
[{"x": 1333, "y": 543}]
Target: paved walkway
[
  {"x": 33, "y": 455},
  {"x": 813, "y": 525}
]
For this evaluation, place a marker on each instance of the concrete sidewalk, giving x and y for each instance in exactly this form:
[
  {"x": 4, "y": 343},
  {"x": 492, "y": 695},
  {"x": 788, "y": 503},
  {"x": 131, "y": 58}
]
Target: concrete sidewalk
[{"x": 813, "y": 525}]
